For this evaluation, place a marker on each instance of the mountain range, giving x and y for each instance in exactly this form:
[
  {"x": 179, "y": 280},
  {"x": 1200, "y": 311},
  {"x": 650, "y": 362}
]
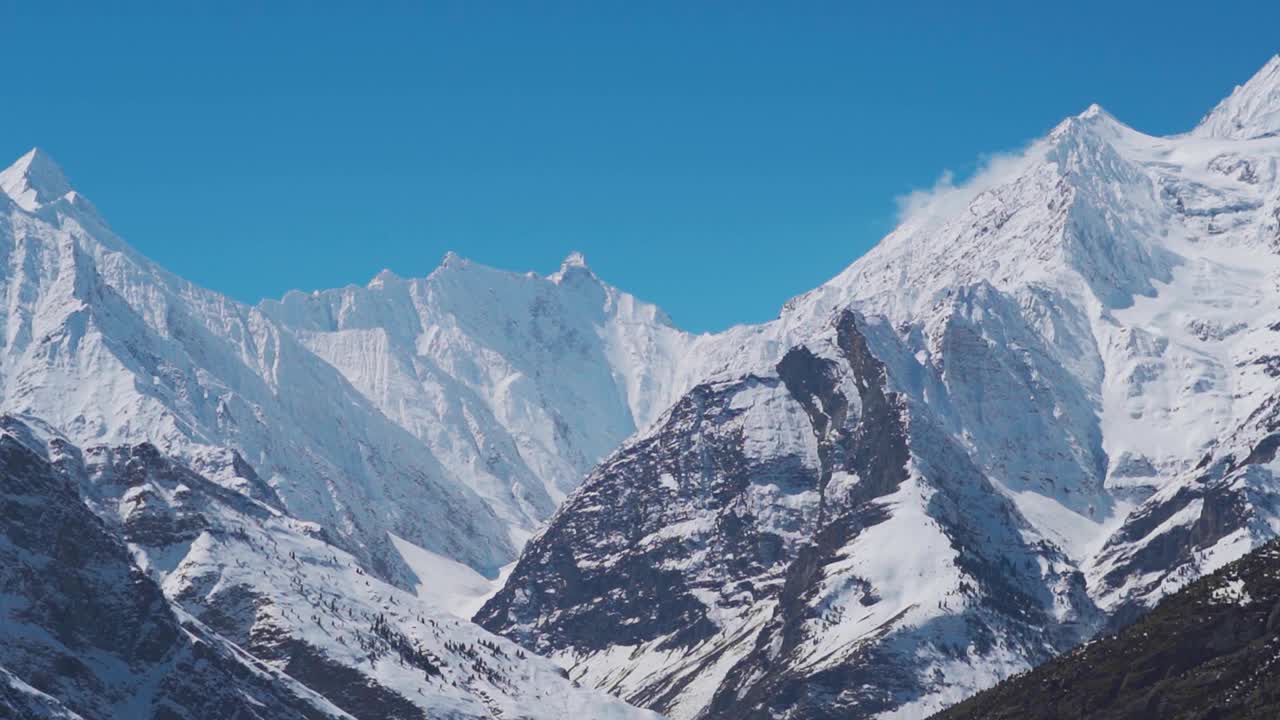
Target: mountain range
[{"x": 1043, "y": 403}]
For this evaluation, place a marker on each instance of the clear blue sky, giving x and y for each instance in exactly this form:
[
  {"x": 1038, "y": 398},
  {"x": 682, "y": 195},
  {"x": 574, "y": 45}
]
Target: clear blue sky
[{"x": 716, "y": 158}]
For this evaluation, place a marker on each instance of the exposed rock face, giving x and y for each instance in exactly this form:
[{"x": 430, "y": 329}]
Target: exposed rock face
[
  {"x": 1207, "y": 651},
  {"x": 736, "y": 561}
]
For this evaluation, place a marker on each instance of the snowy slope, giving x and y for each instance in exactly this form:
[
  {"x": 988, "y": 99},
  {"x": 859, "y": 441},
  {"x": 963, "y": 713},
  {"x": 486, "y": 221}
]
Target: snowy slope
[
  {"x": 1042, "y": 403},
  {"x": 1252, "y": 111}
]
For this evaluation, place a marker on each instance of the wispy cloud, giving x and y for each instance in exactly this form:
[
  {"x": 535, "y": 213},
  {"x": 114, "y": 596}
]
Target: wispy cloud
[{"x": 946, "y": 198}]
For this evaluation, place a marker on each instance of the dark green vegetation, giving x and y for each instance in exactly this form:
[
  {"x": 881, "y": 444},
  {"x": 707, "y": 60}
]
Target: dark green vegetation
[{"x": 1208, "y": 652}]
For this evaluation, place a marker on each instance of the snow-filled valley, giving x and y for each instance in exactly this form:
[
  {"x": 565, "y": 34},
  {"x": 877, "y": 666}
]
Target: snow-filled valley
[{"x": 1045, "y": 401}]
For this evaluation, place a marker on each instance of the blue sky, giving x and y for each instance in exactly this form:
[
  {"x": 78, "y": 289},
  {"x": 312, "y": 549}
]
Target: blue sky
[{"x": 715, "y": 158}]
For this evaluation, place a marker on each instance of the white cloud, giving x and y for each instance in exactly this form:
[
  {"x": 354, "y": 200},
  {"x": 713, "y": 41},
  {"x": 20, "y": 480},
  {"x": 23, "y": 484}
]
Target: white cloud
[{"x": 946, "y": 198}]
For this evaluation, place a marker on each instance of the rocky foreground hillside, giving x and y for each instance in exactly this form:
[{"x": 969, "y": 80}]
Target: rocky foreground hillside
[{"x": 1211, "y": 650}]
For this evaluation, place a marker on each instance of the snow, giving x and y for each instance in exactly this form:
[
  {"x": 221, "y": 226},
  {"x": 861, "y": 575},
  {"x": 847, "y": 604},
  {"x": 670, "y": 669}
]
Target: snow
[
  {"x": 923, "y": 568},
  {"x": 1252, "y": 110},
  {"x": 34, "y": 180},
  {"x": 623, "y": 669},
  {"x": 517, "y": 383},
  {"x": 1233, "y": 592},
  {"x": 448, "y": 584}
]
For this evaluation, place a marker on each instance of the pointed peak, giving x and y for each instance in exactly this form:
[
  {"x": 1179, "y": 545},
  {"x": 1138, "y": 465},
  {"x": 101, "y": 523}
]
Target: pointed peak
[
  {"x": 573, "y": 265},
  {"x": 1094, "y": 117},
  {"x": 452, "y": 258},
  {"x": 450, "y": 263},
  {"x": 34, "y": 180},
  {"x": 1094, "y": 110},
  {"x": 1251, "y": 111},
  {"x": 384, "y": 278}
]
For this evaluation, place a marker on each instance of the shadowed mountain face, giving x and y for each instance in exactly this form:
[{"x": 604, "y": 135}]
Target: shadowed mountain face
[{"x": 1209, "y": 650}]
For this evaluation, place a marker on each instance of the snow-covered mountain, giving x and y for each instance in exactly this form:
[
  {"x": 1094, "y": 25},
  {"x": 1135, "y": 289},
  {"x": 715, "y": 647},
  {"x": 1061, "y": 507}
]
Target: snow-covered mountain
[
  {"x": 108, "y": 348},
  {"x": 96, "y": 635},
  {"x": 267, "y": 498},
  {"x": 1208, "y": 650},
  {"x": 518, "y": 383},
  {"x": 1046, "y": 400},
  {"x": 474, "y": 398}
]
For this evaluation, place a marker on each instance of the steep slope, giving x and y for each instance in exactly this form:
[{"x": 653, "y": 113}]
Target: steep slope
[
  {"x": 1042, "y": 403},
  {"x": 1252, "y": 111},
  {"x": 1207, "y": 651},
  {"x": 244, "y": 581}
]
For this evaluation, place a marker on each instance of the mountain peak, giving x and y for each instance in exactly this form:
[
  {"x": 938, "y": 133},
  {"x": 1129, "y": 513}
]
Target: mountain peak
[
  {"x": 1094, "y": 110},
  {"x": 1251, "y": 111},
  {"x": 384, "y": 278},
  {"x": 574, "y": 262},
  {"x": 34, "y": 180}
]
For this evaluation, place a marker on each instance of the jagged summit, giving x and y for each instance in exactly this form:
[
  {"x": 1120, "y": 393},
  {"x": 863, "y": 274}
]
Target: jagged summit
[
  {"x": 452, "y": 258},
  {"x": 1251, "y": 111},
  {"x": 573, "y": 262},
  {"x": 385, "y": 277},
  {"x": 34, "y": 180}
]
